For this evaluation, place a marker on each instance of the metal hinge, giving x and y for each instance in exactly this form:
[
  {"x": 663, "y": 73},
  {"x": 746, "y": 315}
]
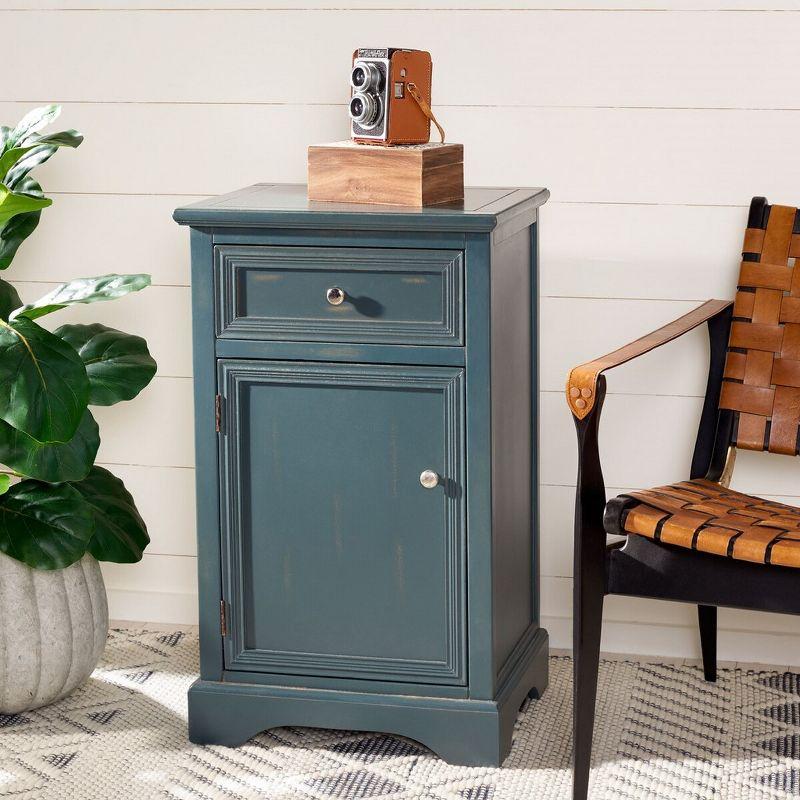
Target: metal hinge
[
  {"x": 218, "y": 413},
  {"x": 223, "y": 619}
]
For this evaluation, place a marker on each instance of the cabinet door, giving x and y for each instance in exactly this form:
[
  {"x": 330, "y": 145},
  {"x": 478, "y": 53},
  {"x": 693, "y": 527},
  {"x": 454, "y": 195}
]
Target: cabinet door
[{"x": 337, "y": 560}]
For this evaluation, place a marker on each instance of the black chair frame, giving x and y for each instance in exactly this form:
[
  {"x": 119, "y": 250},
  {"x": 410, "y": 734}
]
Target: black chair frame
[{"x": 642, "y": 567}]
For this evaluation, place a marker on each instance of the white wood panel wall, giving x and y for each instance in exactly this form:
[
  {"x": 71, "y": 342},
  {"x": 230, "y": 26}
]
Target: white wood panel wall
[{"x": 652, "y": 122}]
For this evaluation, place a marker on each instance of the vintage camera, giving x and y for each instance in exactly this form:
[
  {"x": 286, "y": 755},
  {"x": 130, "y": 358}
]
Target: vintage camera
[{"x": 391, "y": 96}]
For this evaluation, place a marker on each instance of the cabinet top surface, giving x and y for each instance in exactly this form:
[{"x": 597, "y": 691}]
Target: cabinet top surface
[{"x": 287, "y": 205}]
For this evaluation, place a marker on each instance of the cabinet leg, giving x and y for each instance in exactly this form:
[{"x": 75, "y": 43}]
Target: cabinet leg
[
  {"x": 538, "y": 689},
  {"x": 211, "y": 725},
  {"x": 472, "y": 746}
]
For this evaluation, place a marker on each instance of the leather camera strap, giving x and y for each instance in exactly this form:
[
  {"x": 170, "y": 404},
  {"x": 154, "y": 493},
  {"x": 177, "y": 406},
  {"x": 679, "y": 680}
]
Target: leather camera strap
[{"x": 426, "y": 109}]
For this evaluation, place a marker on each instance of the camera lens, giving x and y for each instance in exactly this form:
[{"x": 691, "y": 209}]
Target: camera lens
[
  {"x": 365, "y": 76},
  {"x": 356, "y": 107},
  {"x": 365, "y": 109},
  {"x": 359, "y": 77}
]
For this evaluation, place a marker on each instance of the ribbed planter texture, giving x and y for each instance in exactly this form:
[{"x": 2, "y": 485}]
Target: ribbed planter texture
[{"x": 53, "y": 628}]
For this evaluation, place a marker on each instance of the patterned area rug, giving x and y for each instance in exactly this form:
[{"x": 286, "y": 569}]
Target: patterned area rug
[{"x": 662, "y": 732}]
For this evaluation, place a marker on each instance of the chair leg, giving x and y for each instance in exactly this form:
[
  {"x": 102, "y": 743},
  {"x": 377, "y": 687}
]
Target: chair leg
[
  {"x": 590, "y": 583},
  {"x": 587, "y": 624},
  {"x": 707, "y": 616}
]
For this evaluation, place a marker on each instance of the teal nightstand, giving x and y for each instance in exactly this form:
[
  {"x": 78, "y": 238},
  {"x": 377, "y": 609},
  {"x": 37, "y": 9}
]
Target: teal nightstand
[{"x": 366, "y": 406}]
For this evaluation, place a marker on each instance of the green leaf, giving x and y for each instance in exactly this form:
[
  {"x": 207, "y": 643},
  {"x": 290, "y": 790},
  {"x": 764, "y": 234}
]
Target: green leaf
[
  {"x": 19, "y": 228},
  {"x": 14, "y": 233},
  {"x": 118, "y": 364},
  {"x": 13, "y": 203},
  {"x": 40, "y": 149},
  {"x": 28, "y": 186},
  {"x": 45, "y": 526},
  {"x": 83, "y": 290},
  {"x": 53, "y": 462},
  {"x": 32, "y": 122},
  {"x": 5, "y": 482},
  {"x": 9, "y": 158},
  {"x": 43, "y": 384},
  {"x": 70, "y": 138},
  {"x": 9, "y": 299},
  {"x": 36, "y": 156},
  {"x": 120, "y": 534}
]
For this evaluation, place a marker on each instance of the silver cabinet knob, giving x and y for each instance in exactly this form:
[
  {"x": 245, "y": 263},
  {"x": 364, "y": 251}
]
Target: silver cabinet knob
[
  {"x": 429, "y": 479},
  {"x": 335, "y": 296}
]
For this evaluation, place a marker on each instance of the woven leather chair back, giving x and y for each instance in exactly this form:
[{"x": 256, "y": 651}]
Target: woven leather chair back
[{"x": 762, "y": 371}]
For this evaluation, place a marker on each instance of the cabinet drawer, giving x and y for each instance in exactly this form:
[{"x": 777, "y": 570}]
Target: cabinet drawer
[{"x": 391, "y": 296}]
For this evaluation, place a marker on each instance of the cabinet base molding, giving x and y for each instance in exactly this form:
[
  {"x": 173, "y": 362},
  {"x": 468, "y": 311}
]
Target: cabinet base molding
[{"x": 464, "y": 732}]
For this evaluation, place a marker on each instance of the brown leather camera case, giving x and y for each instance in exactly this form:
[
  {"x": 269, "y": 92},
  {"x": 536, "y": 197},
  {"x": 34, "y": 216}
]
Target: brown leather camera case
[{"x": 407, "y": 122}]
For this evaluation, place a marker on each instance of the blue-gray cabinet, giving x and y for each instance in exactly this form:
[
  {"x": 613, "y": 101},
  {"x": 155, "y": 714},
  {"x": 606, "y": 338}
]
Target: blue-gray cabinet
[{"x": 366, "y": 439}]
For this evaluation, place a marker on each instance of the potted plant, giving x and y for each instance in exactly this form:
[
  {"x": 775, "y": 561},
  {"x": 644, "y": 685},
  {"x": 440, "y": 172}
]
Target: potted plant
[{"x": 59, "y": 513}]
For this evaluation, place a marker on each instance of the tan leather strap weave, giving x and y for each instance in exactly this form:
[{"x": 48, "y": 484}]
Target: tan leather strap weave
[
  {"x": 426, "y": 109},
  {"x": 762, "y": 371},
  {"x": 582, "y": 381},
  {"x": 705, "y": 516}
]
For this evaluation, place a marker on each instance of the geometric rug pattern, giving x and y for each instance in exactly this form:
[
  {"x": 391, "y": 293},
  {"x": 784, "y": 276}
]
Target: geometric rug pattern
[{"x": 662, "y": 733}]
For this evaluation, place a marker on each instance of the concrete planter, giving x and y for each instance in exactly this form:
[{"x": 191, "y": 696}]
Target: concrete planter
[{"x": 53, "y": 627}]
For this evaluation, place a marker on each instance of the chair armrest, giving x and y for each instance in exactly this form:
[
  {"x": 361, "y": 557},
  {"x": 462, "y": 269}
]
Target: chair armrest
[{"x": 582, "y": 381}]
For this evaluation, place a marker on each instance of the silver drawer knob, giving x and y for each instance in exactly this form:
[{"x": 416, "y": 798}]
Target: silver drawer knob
[
  {"x": 335, "y": 296},
  {"x": 429, "y": 479}
]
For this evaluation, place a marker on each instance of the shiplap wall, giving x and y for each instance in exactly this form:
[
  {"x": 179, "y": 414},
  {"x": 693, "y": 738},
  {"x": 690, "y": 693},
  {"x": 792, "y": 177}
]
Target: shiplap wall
[{"x": 652, "y": 122}]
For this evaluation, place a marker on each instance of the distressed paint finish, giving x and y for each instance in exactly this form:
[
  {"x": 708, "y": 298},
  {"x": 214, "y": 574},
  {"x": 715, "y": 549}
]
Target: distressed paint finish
[
  {"x": 393, "y": 295},
  {"x": 322, "y": 506},
  {"x": 205, "y": 388},
  {"x": 483, "y": 669},
  {"x": 287, "y": 207},
  {"x": 354, "y": 597}
]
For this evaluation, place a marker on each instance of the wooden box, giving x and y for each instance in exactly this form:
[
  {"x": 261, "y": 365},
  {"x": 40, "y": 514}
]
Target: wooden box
[{"x": 401, "y": 175}]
